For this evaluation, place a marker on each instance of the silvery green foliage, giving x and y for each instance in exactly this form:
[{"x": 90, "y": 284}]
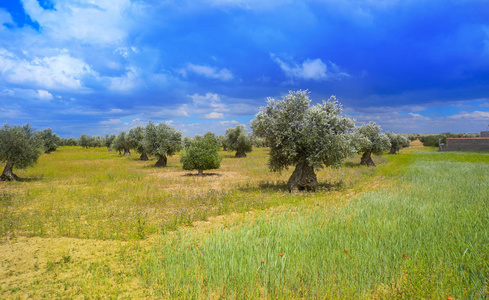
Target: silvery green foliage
[
  {"x": 398, "y": 141},
  {"x": 108, "y": 140},
  {"x": 186, "y": 141},
  {"x": 84, "y": 141},
  {"x": 20, "y": 146},
  {"x": 369, "y": 138},
  {"x": 136, "y": 137},
  {"x": 49, "y": 140},
  {"x": 237, "y": 140},
  {"x": 161, "y": 140},
  {"x": 123, "y": 142},
  {"x": 202, "y": 154},
  {"x": 297, "y": 132}
]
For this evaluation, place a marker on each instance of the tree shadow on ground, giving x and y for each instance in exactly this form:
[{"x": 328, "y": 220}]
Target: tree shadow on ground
[
  {"x": 281, "y": 186},
  {"x": 350, "y": 164},
  {"x": 203, "y": 175}
]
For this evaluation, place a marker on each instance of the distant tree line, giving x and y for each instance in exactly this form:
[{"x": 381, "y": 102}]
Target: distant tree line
[{"x": 432, "y": 140}]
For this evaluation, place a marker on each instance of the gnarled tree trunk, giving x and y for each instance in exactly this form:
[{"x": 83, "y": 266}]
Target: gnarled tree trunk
[
  {"x": 303, "y": 178},
  {"x": 7, "y": 174},
  {"x": 224, "y": 148},
  {"x": 393, "y": 150},
  {"x": 162, "y": 160},
  {"x": 240, "y": 154},
  {"x": 201, "y": 173},
  {"x": 144, "y": 156},
  {"x": 367, "y": 159},
  {"x": 127, "y": 152}
]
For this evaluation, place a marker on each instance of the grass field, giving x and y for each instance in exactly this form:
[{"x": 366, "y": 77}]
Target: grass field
[{"x": 90, "y": 224}]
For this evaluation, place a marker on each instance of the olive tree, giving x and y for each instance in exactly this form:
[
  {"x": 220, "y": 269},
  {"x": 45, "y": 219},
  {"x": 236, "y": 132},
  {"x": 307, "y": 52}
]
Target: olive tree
[
  {"x": 162, "y": 140},
  {"x": 50, "y": 141},
  {"x": 237, "y": 140},
  {"x": 202, "y": 154},
  {"x": 186, "y": 141},
  {"x": 123, "y": 142},
  {"x": 109, "y": 139},
  {"x": 221, "y": 139},
  {"x": 20, "y": 147},
  {"x": 84, "y": 141},
  {"x": 370, "y": 140},
  {"x": 397, "y": 141},
  {"x": 136, "y": 135},
  {"x": 307, "y": 137}
]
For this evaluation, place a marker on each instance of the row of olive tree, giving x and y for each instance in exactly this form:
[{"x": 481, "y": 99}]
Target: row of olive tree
[{"x": 159, "y": 140}]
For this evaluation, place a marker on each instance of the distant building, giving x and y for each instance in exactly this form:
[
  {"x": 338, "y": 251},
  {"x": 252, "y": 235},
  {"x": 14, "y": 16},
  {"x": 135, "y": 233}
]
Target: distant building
[{"x": 467, "y": 144}]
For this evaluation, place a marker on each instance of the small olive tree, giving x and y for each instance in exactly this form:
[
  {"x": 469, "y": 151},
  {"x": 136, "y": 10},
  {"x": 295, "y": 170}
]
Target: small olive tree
[
  {"x": 108, "y": 140},
  {"x": 20, "y": 147},
  {"x": 370, "y": 140},
  {"x": 397, "y": 141},
  {"x": 161, "y": 141},
  {"x": 84, "y": 141},
  {"x": 307, "y": 137},
  {"x": 221, "y": 139},
  {"x": 237, "y": 140},
  {"x": 123, "y": 142},
  {"x": 136, "y": 135},
  {"x": 202, "y": 154},
  {"x": 50, "y": 141}
]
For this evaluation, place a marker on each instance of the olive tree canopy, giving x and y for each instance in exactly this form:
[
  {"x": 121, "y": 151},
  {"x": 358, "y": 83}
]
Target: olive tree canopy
[
  {"x": 50, "y": 141},
  {"x": 237, "y": 140},
  {"x": 20, "y": 147},
  {"x": 123, "y": 142},
  {"x": 108, "y": 140},
  {"x": 136, "y": 135},
  {"x": 307, "y": 137},
  {"x": 202, "y": 154},
  {"x": 84, "y": 141},
  {"x": 161, "y": 141},
  {"x": 397, "y": 141},
  {"x": 370, "y": 140}
]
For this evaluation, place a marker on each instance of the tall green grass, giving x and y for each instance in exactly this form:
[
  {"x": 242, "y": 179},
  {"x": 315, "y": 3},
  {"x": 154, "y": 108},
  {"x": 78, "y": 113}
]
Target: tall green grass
[{"x": 427, "y": 237}]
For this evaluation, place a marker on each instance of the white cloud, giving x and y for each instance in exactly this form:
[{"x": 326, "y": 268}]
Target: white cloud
[
  {"x": 475, "y": 115},
  {"x": 27, "y": 94},
  {"x": 206, "y": 71},
  {"x": 207, "y": 102},
  {"x": 181, "y": 111},
  {"x": 44, "y": 95},
  {"x": 111, "y": 122},
  {"x": 126, "y": 82},
  {"x": 93, "y": 22},
  {"x": 310, "y": 69},
  {"x": 214, "y": 116},
  {"x": 229, "y": 123},
  {"x": 60, "y": 72}
]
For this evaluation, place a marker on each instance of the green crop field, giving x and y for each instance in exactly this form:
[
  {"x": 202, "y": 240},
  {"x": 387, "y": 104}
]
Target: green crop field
[{"x": 88, "y": 223}]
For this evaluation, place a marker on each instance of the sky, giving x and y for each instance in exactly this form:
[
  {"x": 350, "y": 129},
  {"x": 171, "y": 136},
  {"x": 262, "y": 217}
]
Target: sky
[{"x": 98, "y": 67}]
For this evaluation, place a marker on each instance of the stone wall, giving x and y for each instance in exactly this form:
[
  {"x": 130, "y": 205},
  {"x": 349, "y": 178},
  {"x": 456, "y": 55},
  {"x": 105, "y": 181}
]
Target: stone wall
[{"x": 466, "y": 144}]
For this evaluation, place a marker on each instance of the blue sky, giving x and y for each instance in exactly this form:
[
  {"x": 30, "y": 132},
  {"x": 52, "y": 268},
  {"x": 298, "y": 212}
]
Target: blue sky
[{"x": 97, "y": 67}]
